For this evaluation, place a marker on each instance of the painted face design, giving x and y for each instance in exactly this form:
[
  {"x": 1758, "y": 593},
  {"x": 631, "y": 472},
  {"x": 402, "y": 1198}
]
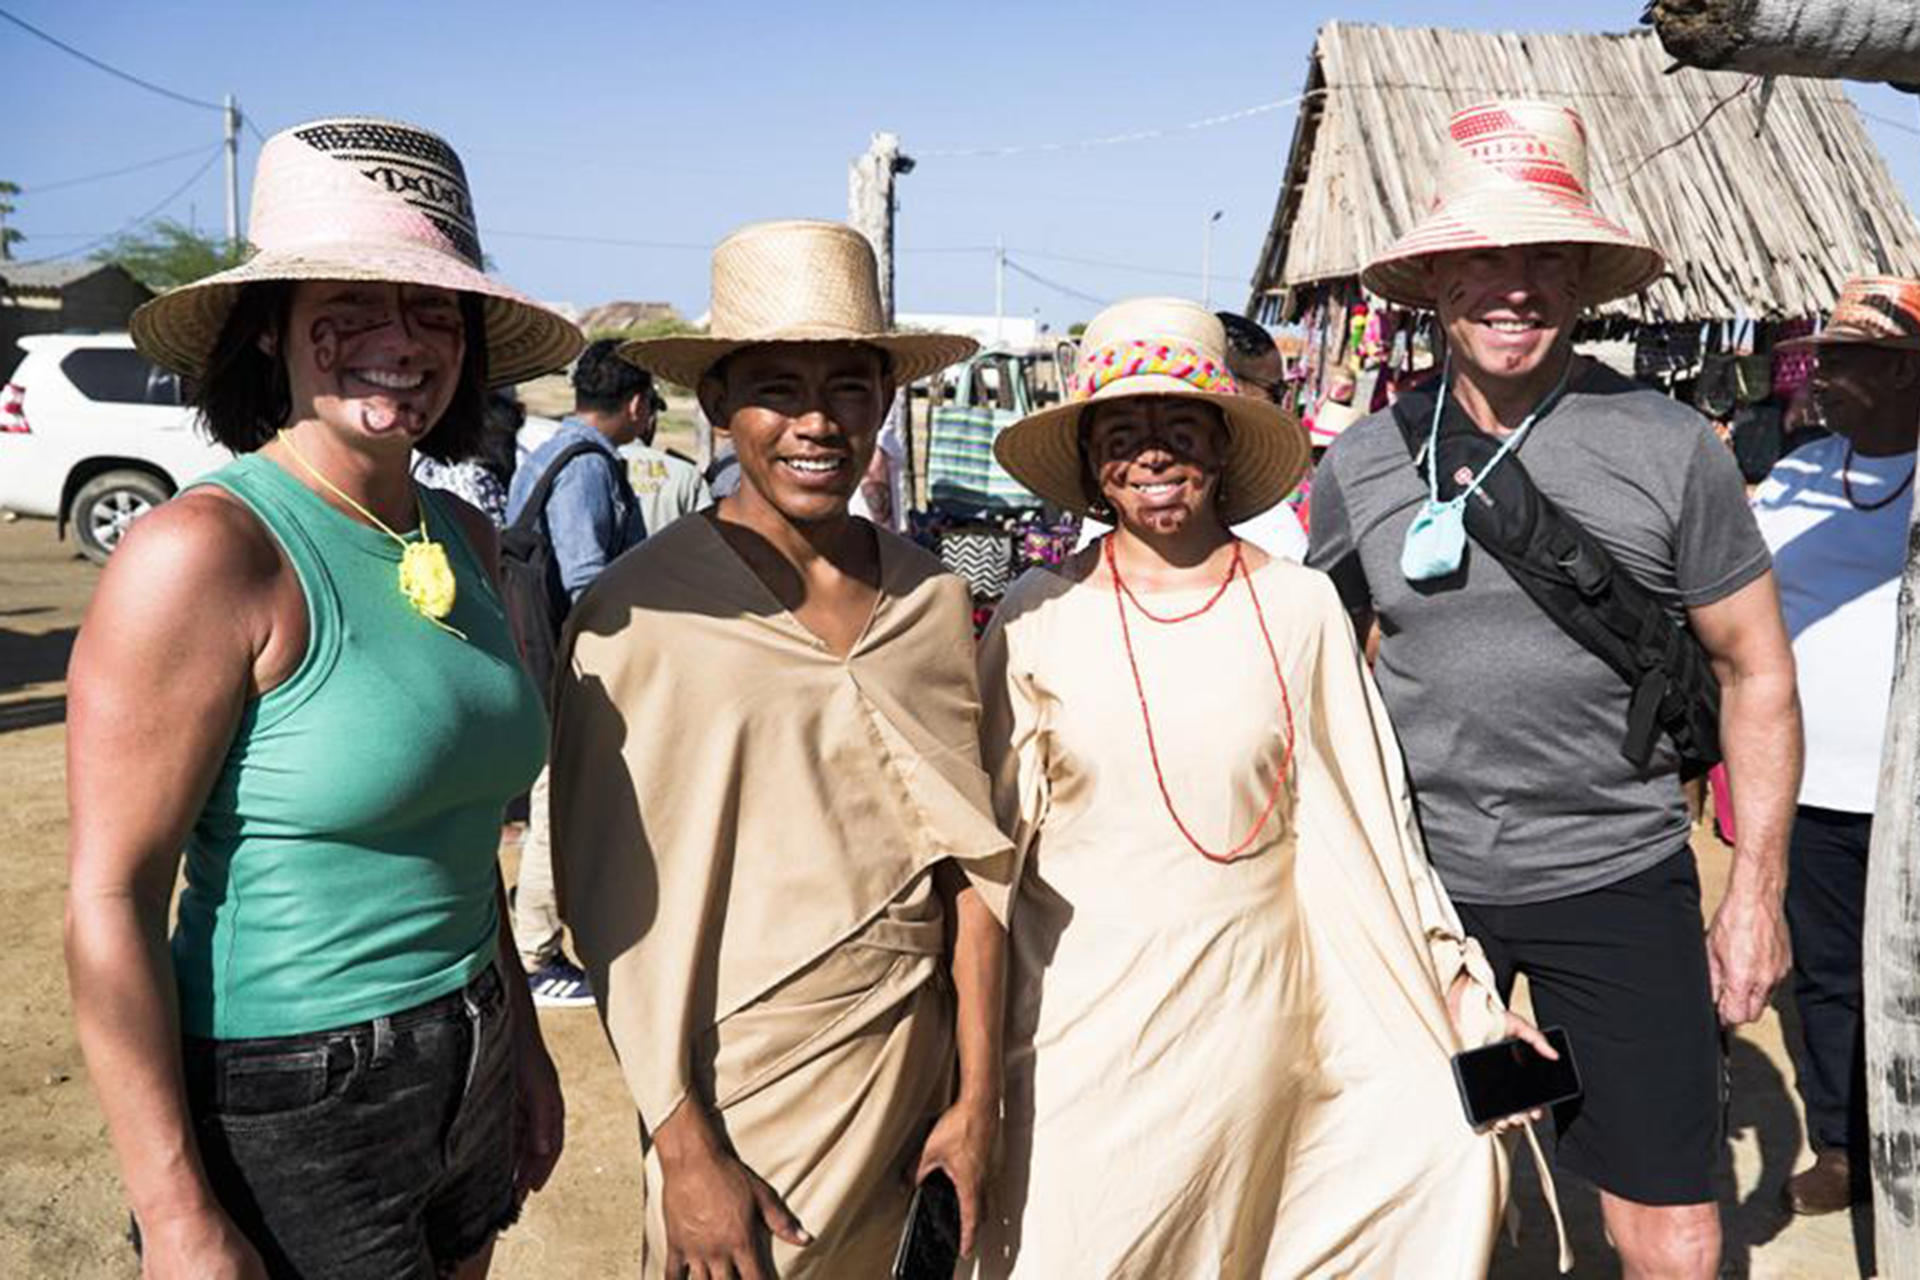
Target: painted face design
[
  {"x": 387, "y": 356},
  {"x": 1157, "y": 459},
  {"x": 1504, "y": 309}
]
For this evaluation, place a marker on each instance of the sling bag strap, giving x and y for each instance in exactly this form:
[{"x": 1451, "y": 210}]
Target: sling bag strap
[
  {"x": 1579, "y": 584},
  {"x": 536, "y": 508}
]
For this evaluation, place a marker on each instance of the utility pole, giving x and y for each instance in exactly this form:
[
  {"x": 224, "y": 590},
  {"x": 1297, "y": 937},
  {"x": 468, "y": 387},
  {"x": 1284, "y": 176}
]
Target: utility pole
[
  {"x": 232, "y": 116},
  {"x": 1206, "y": 261},
  {"x": 872, "y": 204},
  {"x": 999, "y": 289}
]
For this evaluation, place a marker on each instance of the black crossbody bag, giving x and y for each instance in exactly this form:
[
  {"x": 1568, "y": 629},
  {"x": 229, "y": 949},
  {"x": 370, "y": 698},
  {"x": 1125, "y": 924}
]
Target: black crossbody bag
[{"x": 1576, "y": 581}]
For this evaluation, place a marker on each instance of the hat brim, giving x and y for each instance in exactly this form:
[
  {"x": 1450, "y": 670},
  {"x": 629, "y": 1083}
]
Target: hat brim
[
  {"x": 1267, "y": 455},
  {"x": 1621, "y": 265},
  {"x": 685, "y": 359},
  {"x": 178, "y": 329},
  {"x": 1813, "y": 342}
]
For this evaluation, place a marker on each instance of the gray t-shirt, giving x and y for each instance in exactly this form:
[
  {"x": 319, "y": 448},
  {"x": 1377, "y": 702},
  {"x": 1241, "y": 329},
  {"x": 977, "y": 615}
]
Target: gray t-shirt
[{"x": 1512, "y": 729}]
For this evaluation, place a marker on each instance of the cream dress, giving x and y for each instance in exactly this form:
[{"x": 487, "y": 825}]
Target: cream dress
[{"x": 1221, "y": 1070}]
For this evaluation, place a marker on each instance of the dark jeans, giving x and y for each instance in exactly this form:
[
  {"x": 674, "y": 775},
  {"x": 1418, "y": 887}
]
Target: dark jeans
[
  {"x": 382, "y": 1150},
  {"x": 1826, "y": 907}
]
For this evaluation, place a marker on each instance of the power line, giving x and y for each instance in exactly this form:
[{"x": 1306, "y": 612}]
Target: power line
[
  {"x": 92, "y": 61},
  {"x": 562, "y": 238},
  {"x": 171, "y": 196},
  {"x": 1888, "y": 121},
  {"x": 37, "y": 187},
  {"x": 1140, "y": 135},
  {"x": 1054, "y": 285}
]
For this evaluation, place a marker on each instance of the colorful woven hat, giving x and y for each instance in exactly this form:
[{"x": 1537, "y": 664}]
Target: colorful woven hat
[
  {"x": 1515, "y": 173},
  {"x": 796, "y": 281},
  {"x": 1159, "y": 347},
  {"x": 1875, "y": 311},
  {"x": 353, "y": 198}
]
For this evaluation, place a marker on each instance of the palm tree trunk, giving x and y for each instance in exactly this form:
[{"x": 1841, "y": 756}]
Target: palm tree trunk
[{"x": 1835, "y": 39}]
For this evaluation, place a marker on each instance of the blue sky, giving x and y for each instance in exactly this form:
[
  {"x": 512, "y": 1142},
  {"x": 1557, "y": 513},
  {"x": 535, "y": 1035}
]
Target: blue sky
[{"x": 665, "y": 125}]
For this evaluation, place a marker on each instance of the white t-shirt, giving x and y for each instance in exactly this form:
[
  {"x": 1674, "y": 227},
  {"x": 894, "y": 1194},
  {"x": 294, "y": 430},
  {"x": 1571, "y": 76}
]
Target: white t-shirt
[
  {"x": 1839, "y": 574},
  {"x": 1275, "y": 531}
]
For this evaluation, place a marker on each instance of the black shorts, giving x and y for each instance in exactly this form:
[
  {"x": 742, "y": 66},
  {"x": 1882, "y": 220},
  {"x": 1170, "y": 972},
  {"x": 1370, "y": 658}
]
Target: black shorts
[
  {"x": 379, "y": 1151},
  {"x": 1624, "y": 969}
]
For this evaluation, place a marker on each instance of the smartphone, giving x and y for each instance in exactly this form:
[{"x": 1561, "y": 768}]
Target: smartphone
[
  {"x": 1504, "y": 1079},
  {"x": 930, "y": 1245}
]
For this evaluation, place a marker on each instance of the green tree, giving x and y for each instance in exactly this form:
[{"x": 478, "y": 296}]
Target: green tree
[
  {"x": 9, "y": 236},
  {"x": 169, "y": 253}
]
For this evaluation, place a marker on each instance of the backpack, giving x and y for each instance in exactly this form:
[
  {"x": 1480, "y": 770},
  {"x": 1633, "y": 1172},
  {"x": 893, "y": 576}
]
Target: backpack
[
  {"x": 1576, "y": 581},
  {"x": 536, "y": 604}
]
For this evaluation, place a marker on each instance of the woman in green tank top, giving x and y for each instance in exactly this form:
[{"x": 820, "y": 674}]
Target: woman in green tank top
[{"x": 299, "y": 672}]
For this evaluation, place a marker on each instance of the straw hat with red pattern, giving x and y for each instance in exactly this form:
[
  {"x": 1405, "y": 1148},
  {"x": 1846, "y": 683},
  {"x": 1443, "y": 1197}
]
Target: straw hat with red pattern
[
  {"x": 1515, "y": 173},
  {"x": 1159, "y": 347},
  {"x": 353, "y": 198},
  {"x": 1873, "y": 311}
]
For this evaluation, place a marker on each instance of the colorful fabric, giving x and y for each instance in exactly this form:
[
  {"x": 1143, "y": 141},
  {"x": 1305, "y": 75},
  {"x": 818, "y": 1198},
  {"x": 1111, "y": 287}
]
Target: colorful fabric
[{"x": 1141, "y": 357}]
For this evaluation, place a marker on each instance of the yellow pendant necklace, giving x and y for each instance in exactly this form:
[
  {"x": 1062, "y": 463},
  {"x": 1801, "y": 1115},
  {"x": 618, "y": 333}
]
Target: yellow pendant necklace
[{"x": 426, "y": 579}]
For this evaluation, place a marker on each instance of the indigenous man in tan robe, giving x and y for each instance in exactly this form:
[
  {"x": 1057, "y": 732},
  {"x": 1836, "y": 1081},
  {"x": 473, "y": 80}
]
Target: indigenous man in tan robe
[{"x": 772, "y": 832}]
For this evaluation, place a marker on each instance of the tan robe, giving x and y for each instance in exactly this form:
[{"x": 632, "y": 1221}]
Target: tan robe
[
  {"x": 744, "y": 824},
  {"x": 1222, "y": 1070}
]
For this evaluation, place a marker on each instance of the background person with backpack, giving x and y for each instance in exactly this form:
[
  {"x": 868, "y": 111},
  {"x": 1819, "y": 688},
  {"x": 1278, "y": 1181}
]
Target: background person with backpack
[
  {"x": 1569, "y": 860},
  {"x": 567, "y": 527}
]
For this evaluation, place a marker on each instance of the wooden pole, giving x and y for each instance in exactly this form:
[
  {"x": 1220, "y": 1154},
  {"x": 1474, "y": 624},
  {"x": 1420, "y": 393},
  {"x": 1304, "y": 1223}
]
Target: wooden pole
[
  {"x": 1890, "y": 955},
  {"x": 1831, "y": 39},
  {"x": 872, "y": 206}
]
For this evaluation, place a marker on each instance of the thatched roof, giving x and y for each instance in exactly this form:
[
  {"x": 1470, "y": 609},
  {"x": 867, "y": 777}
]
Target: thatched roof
[{"x": 1762, "y": 217}]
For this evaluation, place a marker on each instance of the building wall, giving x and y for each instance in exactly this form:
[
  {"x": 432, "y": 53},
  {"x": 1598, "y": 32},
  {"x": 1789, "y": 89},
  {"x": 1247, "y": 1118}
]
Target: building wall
[{"x": 103, "y": 302}]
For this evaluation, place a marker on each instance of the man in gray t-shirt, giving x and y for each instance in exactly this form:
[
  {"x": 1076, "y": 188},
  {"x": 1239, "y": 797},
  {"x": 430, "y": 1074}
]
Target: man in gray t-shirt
[
  {"x": 1568, "y": 863},
  {"x": 1511, "y": 728}
]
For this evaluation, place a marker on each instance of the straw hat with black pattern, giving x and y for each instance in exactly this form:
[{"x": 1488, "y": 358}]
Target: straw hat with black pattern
[
  {"x": 795, "y": 281},
  {"x": 355, "y": 198},
  {"x": 1159, "y": 347},
  {"x": 1873, "y": 311},
  {"x": 1515, "y": 173}
]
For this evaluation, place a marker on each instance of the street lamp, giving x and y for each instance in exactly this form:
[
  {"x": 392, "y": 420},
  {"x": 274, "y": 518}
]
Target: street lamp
[{"x": 1206, "y": 262}]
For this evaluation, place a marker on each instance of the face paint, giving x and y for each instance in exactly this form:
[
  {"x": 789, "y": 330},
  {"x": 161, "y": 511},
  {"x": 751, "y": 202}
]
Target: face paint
[{"x": 325, "y": 337}]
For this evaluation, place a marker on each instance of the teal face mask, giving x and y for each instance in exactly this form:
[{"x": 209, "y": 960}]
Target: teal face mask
[{"x": 1436, "y": 541}]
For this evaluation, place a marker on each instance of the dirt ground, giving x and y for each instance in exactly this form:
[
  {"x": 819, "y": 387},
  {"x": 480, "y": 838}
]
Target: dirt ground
[{"x": 61, "y": 1212}]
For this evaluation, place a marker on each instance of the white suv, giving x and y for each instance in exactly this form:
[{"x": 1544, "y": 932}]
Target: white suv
[{"x": 93, "y": 434}]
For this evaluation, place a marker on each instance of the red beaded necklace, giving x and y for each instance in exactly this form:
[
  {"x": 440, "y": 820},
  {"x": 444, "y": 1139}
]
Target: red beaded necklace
[
  {"x": 1122, "y": 594},
  {"x": 1846, "y": 486}
]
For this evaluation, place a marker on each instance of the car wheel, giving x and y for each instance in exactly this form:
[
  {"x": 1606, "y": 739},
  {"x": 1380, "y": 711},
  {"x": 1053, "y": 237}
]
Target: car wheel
[{"x": 107, "y": 506}]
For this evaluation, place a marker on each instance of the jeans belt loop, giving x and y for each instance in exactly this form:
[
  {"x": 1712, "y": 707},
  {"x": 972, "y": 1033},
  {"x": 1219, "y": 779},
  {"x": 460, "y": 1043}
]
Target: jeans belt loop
[{"x": 382, "y": 1042}]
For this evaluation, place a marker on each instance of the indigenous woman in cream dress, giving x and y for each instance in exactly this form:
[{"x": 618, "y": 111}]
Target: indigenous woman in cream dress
[{"x": 1228, "y": 1006}]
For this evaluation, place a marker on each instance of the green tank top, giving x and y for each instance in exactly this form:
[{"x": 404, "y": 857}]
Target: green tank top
[{"x": 342, "y": 867}]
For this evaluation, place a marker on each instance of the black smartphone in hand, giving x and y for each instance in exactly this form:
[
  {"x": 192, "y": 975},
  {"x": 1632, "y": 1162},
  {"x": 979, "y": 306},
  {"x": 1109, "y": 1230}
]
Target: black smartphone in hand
[
  {"x": 930, "y": 1245},
  {"x": 1511, "y": 1076}
]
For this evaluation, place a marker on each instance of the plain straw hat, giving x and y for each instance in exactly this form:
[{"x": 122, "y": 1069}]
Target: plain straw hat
[
  {"x": 1515, "y": 173},
  {"x": 795, "y": 281},
  {"x": 353, "y": 198},
  {"x": 1159, "y": 347},
  {"x": 1875, "y": 311}
]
